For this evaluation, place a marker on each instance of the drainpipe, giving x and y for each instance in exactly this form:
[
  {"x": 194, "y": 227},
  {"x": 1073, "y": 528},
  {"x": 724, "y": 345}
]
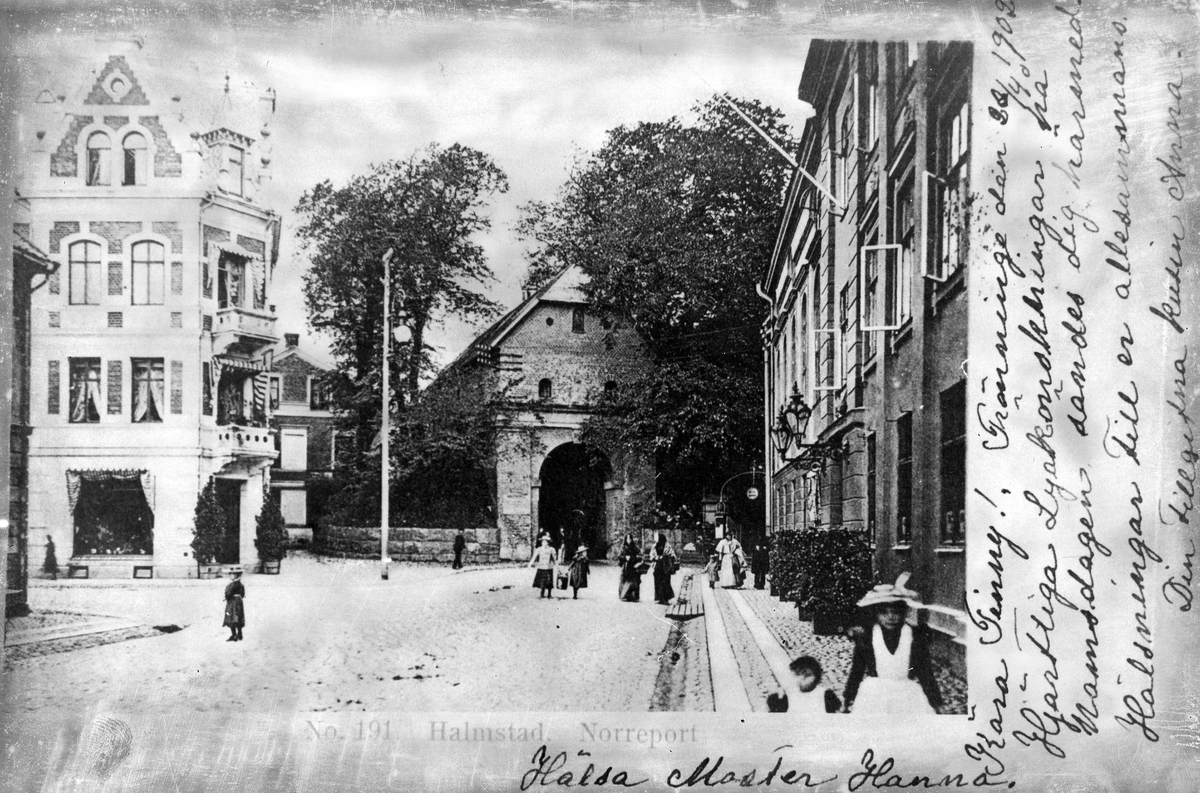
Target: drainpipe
[{"x": 768, "y": 462}]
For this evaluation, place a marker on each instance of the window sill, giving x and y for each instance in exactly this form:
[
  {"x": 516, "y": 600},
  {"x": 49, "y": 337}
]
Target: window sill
[
  {"x": 951, "y": 288},
  {"x": 950, "y": 549},
  {"x": 902, "y": 547},
  {"x": 901, "y": 336}
]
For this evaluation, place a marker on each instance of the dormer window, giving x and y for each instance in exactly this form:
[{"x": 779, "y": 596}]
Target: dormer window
[
  {"x": 234, "y": 171},
  {"x": 98, "y": 150},
  {"x": 135, "y": 159}
]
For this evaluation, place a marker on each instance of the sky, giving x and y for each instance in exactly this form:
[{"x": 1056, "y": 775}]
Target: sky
[{"x": 533, "y": 94}]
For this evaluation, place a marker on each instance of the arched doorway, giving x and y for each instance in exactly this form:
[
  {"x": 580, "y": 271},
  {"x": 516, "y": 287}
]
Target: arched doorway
[{"x": 571, "y": 497}]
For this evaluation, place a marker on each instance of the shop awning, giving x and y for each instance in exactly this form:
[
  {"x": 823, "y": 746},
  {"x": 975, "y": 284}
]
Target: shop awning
[{"x": 76, "y": 478}]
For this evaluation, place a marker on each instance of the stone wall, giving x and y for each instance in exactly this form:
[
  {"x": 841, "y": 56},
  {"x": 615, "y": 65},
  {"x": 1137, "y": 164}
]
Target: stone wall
[{"x": 407, "y": 544}]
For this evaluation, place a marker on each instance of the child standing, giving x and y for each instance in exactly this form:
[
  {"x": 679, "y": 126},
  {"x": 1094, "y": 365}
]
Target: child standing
[
  {"x": 577, "y": 573},
  {"x": 712, "y": 570},
  {"x": 890, "y": 672}
]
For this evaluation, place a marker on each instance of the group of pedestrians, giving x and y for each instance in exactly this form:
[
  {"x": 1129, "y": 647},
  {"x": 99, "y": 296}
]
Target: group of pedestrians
[
  {"x": 727, "y": 565},
  {"x": 555, "y": 570},
  {"x": 552, "y": 564}
]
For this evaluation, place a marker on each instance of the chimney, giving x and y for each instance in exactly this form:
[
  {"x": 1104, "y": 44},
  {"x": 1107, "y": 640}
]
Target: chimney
[{"x": 292, "y": 339}]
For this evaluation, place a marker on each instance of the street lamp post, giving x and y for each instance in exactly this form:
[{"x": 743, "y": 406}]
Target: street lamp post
[
  {"x": 384, "y": 427},
  {"x": 385, "y": 430}
]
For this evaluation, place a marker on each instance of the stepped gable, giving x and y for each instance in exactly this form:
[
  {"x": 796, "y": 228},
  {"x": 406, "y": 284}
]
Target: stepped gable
[{"x": 116, "y": 85}]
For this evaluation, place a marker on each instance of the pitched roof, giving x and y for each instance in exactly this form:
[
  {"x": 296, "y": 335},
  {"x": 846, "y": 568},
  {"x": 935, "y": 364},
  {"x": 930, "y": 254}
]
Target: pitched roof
[{"x": 565, "y": 287}]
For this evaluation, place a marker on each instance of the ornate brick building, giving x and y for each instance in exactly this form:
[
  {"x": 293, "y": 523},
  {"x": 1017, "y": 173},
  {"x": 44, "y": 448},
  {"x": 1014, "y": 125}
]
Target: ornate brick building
[
  {"x": 145, "y": 379},
  {"x": 560, "y": 360}
]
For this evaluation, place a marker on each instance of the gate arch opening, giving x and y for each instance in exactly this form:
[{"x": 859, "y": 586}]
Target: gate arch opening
[{"x": 571, "y": 499}]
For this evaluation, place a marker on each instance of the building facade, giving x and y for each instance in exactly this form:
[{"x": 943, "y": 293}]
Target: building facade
[
  {"x": 866, "y": 344},
  {"x": 145, "y": 343},
  {"x": 557, "y": 361},
  {"x": 306, "y": 436}
]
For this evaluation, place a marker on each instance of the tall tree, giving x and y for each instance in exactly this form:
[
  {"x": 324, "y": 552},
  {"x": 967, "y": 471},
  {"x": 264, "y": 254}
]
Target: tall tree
[
  {"x": 428, "y": 209},
  {"x": 673, "y": 223}
]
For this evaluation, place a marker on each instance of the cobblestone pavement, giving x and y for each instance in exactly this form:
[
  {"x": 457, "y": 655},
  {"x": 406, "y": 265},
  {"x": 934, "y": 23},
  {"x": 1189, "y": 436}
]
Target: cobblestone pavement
[{"x": 333, "y": 637}]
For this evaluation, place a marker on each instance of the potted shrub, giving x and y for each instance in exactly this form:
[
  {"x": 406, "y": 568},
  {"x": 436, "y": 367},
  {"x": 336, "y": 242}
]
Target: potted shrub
[
  {"x": 208, "y": 527},
  {"x": 271, "y": 535},
  {"x": 786, "y": 569},
  {"x": 835, "y": 564}
]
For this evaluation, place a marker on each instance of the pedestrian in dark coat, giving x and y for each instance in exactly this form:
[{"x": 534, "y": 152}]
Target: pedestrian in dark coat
[
  {"x": 235, "y": 613},
  {"x": 577, "y": 573},
  {"x": 51, "y": 564},
  {"x": 630, "y": 588},
  {"x": 663, "y": 559},
  {"x": 760, "y": 564},
  {"x": 460, "y": 545}
]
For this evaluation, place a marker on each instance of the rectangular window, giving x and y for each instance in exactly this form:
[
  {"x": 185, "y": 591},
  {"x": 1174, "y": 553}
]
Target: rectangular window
[
  {"x": 904, "y": 461},
  {"x": 871, "y": 480},
  {"x": 85, "y": 274},
  {"x": 206, "y": 399},
  {"x": 954, "y": 464},
  {"x": 318, "y": 396},
  {"x": 53, "y": 387},
  {"x": 577, "y": 321},
  {"x": 231, "y": 283},
  {"x": 114, "y": 388},
  {"x": 177, "y": 387},
  {"x": 85, "y": 390},
  {"x": 948, "y": 220},
  {"x": 903, "y": 233},
  {"x": 147, "y": 390},
  {"x": 148, "y": 271},
  {"x": 237, "y": 168},
  {"x": 273, "y": 391},
  {"x": 293, "y": 444}
]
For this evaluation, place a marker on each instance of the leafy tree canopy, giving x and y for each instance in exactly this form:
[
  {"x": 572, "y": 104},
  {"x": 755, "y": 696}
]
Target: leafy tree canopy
[
  {"x": 427, "y": 209},
  {"x": 673, "y": 223}
]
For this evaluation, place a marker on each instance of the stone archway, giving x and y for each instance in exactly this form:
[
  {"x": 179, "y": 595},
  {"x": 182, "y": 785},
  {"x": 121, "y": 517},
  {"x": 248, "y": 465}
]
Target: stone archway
[{"x": 571, "y": 497}]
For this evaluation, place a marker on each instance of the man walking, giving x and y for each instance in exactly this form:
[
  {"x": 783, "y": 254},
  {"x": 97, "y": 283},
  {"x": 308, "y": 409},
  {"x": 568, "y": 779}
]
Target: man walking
[{"x": 460, "y": 545}]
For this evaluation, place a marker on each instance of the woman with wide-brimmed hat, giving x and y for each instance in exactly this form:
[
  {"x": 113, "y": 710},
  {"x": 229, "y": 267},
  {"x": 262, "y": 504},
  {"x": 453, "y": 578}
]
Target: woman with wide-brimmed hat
[{"x": 891, "y": 671}]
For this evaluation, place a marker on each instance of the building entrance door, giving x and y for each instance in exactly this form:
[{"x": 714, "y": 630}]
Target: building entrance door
[{"x": 229, "y": 494}]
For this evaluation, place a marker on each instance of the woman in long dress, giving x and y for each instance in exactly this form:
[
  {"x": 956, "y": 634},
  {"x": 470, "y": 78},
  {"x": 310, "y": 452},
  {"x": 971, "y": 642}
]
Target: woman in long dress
[
  {"x": 577, "y": 572},
  {"x": 663, "y": 560},
  {"x": 730, "y": 550},
  {"x": 630, "y": 588},
  {"x": 890, "y": 671},
  {"x": 235, "y": 613}
]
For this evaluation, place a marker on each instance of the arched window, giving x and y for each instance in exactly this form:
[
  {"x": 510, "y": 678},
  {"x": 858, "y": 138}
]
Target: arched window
[
  {"x": 98, "y": 150},
  {"x": 86, "y": 283},
  {"x": 148, "y": 273},
  {"x": 545, "y": 389},
  {"x": 135, "y": 158}
]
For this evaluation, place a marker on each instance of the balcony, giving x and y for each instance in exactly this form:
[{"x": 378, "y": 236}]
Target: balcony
[
  {"x": 244, "y": 330},
  {"x": 242, "y": 448}
]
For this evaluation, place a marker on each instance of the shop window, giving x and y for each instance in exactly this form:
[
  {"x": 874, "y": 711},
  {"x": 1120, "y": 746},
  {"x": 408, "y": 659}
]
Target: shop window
[
  {"x": 147, "y": 390},
  {"x": 134, "y": 146},
  {"x": 85, "y": 273},
  {"x": 148, "y": 269},
  {"x": 85, "y": 390},
  {"x": 904, "y": 462},
  {"x": 99, "y": 149},
  {"x": 112, "y": 516},
  {"x": 954, "y": 464}
]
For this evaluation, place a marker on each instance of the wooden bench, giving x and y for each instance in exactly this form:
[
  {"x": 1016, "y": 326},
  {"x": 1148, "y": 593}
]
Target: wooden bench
[
  {"x": 143, "y": 571},
  {"x": 73, "y": 570},
  {"x": 688, "y": 602}
]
